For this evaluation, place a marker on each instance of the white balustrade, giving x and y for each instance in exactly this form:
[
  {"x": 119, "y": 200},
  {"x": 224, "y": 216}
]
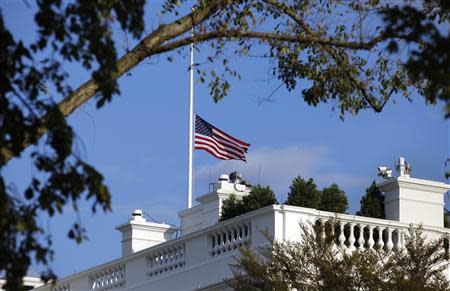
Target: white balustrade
[
  {"x": 165, "y": 260},
  {"x": 363, "y": 235},
  {"x": 229, "y": 238},
  {"x": 108, "y": 279}
]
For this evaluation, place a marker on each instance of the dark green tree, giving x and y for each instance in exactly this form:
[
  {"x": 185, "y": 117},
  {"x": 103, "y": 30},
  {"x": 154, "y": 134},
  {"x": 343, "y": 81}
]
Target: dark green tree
[
  {"x": 315, "y": 263},
  {"x": 231, "y": 207},
  {"x": 333, "y": 199},
  {"x": 372, "y": 203},
  {"x": 304, "y": 193},
  {"x": 258, "y": 197}
]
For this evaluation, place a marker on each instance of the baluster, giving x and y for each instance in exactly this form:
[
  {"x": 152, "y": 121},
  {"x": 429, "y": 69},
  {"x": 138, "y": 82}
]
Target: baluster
[
  {"x": 351, "y": 237},
  {"x": 341, "y": 238},
  {"x": 173, "y": 252},
  {"x": 361, "y": 237},
  {"x": 389, "y": 243},
  {"x": 370, "y": 241},
  {"x": 380, "y": 242},
  {"x": 220, "y": 242},
  {"x": 234, "y": 236},
  {"x": 179, "y": 256},
  {"x": 229, "y": 239},
  {"x": 216, "y": 243},
  {"x": 399, "y": 245},
  {"x": 224, "y": 241}
]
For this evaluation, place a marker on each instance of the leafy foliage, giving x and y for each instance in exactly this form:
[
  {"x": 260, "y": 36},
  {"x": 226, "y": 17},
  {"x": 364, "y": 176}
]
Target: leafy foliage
[
  {"x": 30, "y": 82},
  {"x": 258, "y": 197},
  {"x": 333, "y": 199},
  {"x": 314, "y": 263},
  {"x": 304, "y": 193},
  {"x": 231, "y": 207},
  {"x": 372, "y": 203}
]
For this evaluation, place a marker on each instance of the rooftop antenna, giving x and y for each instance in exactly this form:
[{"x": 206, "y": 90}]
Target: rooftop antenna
[{"x": 151, "y": 218}]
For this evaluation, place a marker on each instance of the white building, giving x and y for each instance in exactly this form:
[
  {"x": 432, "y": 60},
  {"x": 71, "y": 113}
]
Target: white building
[{"x": 199, "y": 258}]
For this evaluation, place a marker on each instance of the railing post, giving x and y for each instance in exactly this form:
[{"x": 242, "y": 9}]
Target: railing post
[
  {"x": 380, "y": 242},
  {"x": 351, "y": 238},
  {"x": 341, "y": 238},
  {"x": 361, "y": 237},
  {"x": 370, "y": 241},
  {"x": 389, "y": 243}
]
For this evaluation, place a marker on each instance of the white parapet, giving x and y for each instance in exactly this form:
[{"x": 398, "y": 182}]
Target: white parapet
[
  {"x": 139, "y": 234},
  {"x": 414, "y": 200}
]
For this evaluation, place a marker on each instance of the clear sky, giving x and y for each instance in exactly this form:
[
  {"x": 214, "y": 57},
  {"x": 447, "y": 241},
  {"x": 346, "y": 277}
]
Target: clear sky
[{"x": 139, "y": 142}]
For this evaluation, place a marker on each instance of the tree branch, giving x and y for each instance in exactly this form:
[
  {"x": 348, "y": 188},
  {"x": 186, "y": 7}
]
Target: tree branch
[
  {"x": 89, "y": 89},
  {"x": 159, "y": 42}
]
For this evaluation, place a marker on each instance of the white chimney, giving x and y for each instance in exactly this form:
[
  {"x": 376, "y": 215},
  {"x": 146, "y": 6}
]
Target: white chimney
[
  {"x": 413, "y": 200},
  {"x": 208, "y": 211},
  {"x": 139, "y": 234}
]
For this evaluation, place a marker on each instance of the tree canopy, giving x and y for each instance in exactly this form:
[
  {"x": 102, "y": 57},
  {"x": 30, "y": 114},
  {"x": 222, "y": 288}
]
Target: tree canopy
[
  {"x": 304, "y": 193},
  {"x": 332, "y": 44},
  {"x": 372, "y": 203},
  {"x": 333, "y": 199},
  {"x": 258, "y": 197}
]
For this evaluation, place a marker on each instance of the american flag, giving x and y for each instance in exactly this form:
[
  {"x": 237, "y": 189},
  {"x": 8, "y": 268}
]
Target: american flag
[{"x": 218, "y": 143}]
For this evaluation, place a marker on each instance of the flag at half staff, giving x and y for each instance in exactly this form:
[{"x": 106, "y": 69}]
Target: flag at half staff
[{"x": 218, "y": 143}]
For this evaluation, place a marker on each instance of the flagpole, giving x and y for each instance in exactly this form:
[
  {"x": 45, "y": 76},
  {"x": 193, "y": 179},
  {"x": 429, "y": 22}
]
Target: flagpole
[{"x": 191, "y": 121}]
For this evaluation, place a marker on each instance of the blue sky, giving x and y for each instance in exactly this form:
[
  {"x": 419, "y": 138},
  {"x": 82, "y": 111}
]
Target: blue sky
[{"x": 139, "y": 142}]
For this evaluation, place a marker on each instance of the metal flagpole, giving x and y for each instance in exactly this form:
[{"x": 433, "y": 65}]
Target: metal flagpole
[{"x": 191, "y": 120}]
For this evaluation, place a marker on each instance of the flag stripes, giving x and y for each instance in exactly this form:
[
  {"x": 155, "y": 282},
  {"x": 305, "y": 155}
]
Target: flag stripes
[{"x": 218, "y": 143}]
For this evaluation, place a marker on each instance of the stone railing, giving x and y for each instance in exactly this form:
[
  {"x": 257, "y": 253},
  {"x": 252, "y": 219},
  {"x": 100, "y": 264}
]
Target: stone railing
[
  {"x": 358, "y": 232},
  {"x": 165, "y": 260},
  {"x": 108, "y": 279},
  {"x": 229, "y": 238},
  {"x": 357, "y": 235}
]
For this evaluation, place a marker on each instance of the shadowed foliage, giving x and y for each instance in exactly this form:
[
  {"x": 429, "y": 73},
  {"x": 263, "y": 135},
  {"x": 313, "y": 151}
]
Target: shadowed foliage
[
  {"x": 304, "y": 193},
  {"x": 333, "y": 199},
  {"x": 314, "y": 263},
  {"x": 258, "y": 197},
  {"x": 372, "y": 203}
]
